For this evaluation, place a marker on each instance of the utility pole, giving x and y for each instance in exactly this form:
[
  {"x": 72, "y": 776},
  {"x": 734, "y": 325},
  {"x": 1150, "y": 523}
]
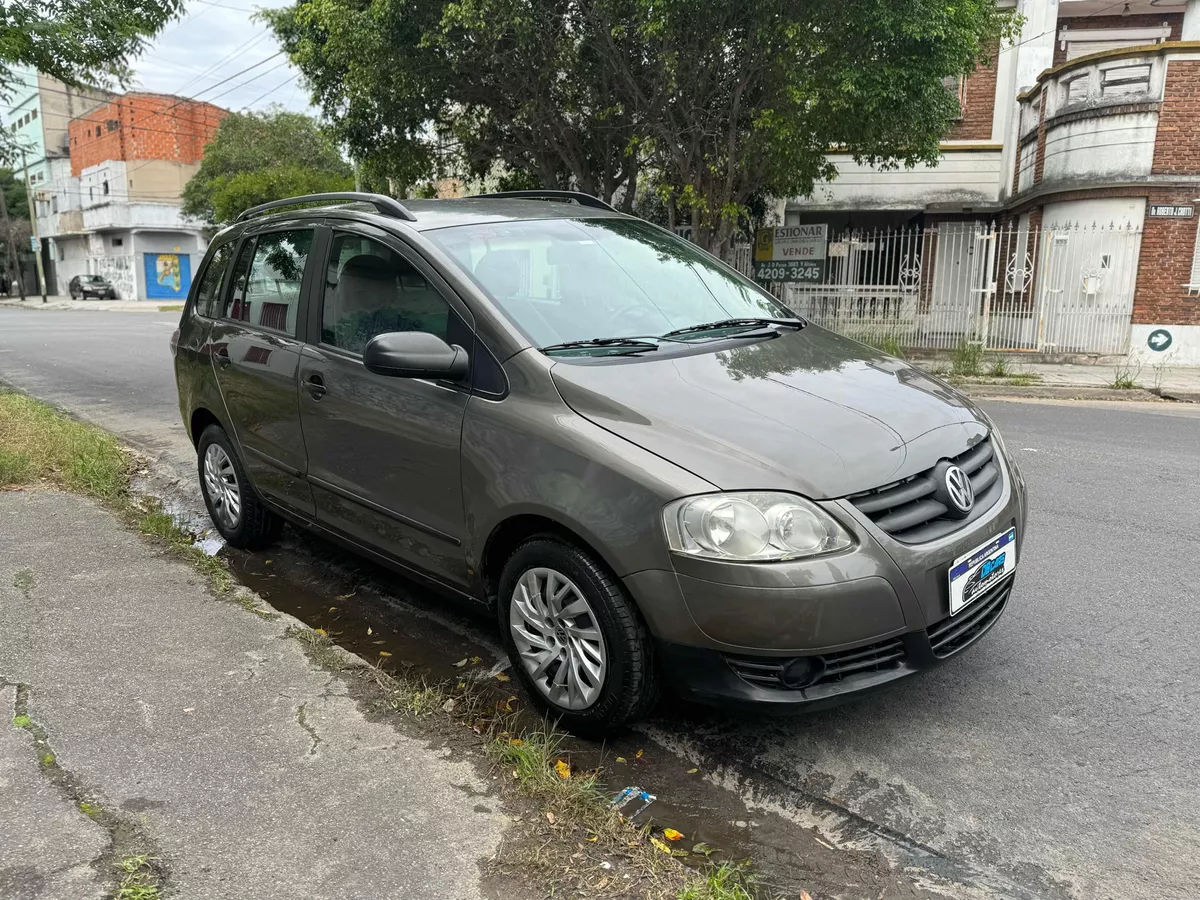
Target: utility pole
[
  {"x": 34, "y": 241},
  {"x": 10, "y": 251}
]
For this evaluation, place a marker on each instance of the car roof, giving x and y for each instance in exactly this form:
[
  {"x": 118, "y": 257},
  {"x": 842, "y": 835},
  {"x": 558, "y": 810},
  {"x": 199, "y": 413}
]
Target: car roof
[{"x": 433, "y": 214}]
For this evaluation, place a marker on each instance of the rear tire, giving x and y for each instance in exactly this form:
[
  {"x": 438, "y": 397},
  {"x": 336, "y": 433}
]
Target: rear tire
[
  {"x": 591, "y": 669},
  {"x": 234, "y": 507}
]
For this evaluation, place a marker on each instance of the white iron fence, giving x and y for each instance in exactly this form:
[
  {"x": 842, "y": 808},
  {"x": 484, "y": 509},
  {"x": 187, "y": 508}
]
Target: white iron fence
[{"x": 1065, "y": 288}]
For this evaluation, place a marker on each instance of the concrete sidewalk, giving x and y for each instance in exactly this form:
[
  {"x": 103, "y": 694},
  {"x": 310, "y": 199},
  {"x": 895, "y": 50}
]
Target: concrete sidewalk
[
  {"x": 58, "y": 303},
  {"x": 203, "y": 731}
]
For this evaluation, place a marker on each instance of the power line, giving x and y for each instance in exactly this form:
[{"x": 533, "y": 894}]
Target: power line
[{"x": 270, "y": 92}]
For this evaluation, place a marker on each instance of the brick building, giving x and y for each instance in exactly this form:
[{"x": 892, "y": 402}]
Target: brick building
[
  {"x": 129, "y": 161},
  {"x": 1063, "y": 216}
]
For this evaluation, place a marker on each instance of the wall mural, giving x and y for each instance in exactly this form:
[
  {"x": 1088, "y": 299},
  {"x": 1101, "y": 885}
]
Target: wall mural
[{"x": 168, "y": 275}]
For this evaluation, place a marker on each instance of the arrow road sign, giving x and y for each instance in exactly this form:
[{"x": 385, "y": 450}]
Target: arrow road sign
[{"x": 1159, "y": 339}]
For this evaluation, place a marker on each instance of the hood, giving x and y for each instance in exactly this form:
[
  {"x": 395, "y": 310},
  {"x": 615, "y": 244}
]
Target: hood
[{"x": 808, "y": 411}]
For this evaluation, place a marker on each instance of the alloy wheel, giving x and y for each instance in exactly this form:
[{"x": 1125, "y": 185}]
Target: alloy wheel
[
  {"x": 221, "y": 485},
  {"x": 558, "y": 638}
]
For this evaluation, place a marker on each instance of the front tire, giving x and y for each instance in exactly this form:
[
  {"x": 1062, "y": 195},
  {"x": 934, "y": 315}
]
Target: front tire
[
  {"x": 234, "y": 507},
  {"x": 574, "y": 638}
]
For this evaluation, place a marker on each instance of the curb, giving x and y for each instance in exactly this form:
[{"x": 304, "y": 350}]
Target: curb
[{"x": 1058, "y": 392}]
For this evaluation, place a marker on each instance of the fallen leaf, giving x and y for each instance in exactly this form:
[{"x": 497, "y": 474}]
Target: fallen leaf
[
  {"x": 500, "y": 676},
  {"x": 672, "y": 835},
  {"x": 680, "y": 853},
  {"x": 805, "y": 895},
  {"x": 476, "y": 660},
  {"x": 346, "y": 596},
  {"x": 449, "y": 705},
  {"x": 602, "y": 883},
  {"x": 369, "y": 631},
  {"x": 460, "y": 663},
  {"x": 515, "y": 774},
  {"x": 384, "y": 653},
  {"x": 377, "y": 643},
  {"x": 622, "y": 759},
  {"x": 460, "y": 686},
  {"x": 563, "y": 770},
  {"x": 593, "y": 838},
  {"x": 516, "y": 742},
  {"x": 550, "y": 817},
  {"x": 320, "y": 631},
  {"x": 638, "y": 755},
  {"x": 332, "y": 608},
  {"x": 693, "y": 771},
  {"x": 701, "y": 848},
  {"x": 660, "y": 846}
]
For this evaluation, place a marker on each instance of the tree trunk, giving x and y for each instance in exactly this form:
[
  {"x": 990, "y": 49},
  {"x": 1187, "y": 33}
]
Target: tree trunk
[{"x": 631, "y": 181}]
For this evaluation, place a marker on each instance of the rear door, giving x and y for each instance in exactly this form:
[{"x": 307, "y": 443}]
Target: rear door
[
  {"x": 256, "y": 354},
  {"x": 384, "y": 452}
]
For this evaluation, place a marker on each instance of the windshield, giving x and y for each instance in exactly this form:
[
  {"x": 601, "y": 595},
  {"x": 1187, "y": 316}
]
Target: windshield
[
  {"x": 563, "y": 280},
  {"x": 92, "y": 279}
]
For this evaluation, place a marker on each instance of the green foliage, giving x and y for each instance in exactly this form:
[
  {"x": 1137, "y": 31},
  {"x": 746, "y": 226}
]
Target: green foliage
[
  {"x": 720, "y": 102},
  {"x": 999, "y": 367},
  {"x": 258, "y": 157},
  {"x": 966, "y": 358},
  {"x": 14, "y": 195},
  {"x": 80, "y": 42}
]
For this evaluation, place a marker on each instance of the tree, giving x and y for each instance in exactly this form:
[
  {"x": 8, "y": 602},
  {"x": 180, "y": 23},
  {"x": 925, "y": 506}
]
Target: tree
[
  {"x": 258, "y": 157},
  {"x": 14, "y": 195},
  {"x": 80, "y": 42},
  {"x": 722, "y": 101}
]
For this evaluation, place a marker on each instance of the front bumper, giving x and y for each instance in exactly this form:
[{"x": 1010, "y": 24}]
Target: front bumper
[
  {"x": 848, "y": 623},
  {"x": 705, "y": 675}
]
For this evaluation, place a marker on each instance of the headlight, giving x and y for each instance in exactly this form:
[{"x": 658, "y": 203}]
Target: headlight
[{"x": 754, "y": 527}]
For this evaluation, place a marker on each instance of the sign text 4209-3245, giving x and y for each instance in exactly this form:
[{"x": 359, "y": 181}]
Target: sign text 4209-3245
[{"x": 787, "y": 270}]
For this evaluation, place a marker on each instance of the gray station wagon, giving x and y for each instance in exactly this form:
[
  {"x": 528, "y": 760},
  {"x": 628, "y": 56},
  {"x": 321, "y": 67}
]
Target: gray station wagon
[{"x": 647, "y": 466}]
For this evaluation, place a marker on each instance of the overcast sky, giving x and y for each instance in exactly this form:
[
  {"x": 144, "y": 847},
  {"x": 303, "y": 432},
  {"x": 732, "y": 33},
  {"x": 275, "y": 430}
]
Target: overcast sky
[{"x": 213, "y": 40}]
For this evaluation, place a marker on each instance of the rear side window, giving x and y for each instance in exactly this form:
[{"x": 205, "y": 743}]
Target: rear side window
[
  {"x": 267, "y": 280},
  {"x": 371, "y": 289},
  {"x": 208, "y": 291}
]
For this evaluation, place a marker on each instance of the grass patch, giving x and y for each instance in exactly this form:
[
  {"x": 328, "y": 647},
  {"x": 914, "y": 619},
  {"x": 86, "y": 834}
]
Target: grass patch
[
  {"x": 1125, "y": 376},
  {"x": 999, "y": 368},
  {"x": 23, "y": 582},
  {"x": 169, "y": 307},
  {"x": 1023, "y": 378},
  {"x": 721, "y": 883},
  {"x": 967, "y": 358},
  {"x": 41, "y": 444},
  {"x": 139, "y": 881},
  {"x": 22, "y": 721},
  {"x": 890, "y": 344}
]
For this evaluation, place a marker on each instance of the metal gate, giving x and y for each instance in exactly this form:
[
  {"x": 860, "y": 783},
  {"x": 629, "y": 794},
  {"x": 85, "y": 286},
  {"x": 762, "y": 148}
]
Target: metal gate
[{"x": 1058, "y": 289}]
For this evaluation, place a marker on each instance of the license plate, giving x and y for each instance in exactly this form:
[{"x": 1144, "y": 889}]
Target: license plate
[{"x": 974, "y": 573}]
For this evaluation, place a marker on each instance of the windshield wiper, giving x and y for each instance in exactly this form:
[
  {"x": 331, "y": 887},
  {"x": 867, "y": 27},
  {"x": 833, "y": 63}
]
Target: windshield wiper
[
  {"x": 639, "y": 343},
  {"x": 735, "y": 323}
]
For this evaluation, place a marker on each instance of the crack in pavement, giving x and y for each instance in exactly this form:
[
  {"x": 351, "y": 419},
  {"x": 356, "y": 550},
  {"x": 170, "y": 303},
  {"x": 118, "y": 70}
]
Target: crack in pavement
[
  {"x": 126, "y": 837},
  {"x": 302, "y": 721}
]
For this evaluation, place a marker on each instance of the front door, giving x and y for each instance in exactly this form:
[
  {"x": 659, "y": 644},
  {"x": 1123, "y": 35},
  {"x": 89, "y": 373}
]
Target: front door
[
  {"x": 383, "y": 452},
  {"x": 256, "y": 354}
]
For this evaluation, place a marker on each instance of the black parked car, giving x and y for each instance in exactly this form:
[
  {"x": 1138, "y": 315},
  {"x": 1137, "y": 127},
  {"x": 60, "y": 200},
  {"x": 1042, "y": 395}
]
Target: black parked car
[
  {"x": 91, "y": 287},
  {"x": 645, "y": 465}
]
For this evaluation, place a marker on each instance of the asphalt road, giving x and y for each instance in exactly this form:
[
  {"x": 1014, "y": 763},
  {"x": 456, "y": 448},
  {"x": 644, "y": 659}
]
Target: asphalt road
[{"x": 1057, "y": 758}]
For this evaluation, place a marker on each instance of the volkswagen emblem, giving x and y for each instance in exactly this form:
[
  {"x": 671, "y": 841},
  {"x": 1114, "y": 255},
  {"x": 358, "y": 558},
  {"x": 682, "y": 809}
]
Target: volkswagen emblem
[{"x": 958, "y": 488}]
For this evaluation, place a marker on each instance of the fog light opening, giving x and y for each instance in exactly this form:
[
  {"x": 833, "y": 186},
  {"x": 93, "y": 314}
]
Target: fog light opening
[{"x": 803, "y": 671}]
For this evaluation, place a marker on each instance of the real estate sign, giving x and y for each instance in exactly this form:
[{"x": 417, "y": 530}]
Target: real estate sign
[{"x": 790, "y": 253}]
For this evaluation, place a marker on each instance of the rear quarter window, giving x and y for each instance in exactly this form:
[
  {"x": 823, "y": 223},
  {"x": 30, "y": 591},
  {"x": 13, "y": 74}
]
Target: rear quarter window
[{"x": 210, "y": 286}]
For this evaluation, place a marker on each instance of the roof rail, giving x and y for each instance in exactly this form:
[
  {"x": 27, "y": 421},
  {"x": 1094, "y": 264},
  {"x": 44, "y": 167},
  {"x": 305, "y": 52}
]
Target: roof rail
[
  {"x": 385, "y": 206},
  {"x": 578, "y": 196}
]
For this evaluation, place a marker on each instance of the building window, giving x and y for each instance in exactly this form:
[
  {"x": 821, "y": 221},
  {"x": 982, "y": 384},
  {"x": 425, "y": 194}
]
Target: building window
[
  {"x": 32, "y": 114},
  {"x": 54, "y": 203},
  {"x": 91, "y": 193},
  {"x": 104, "y": 187},
  {"x": 112, "y": 124},
  {"x": 957, "y": 85},
  {"x": 118, "y": 242}
]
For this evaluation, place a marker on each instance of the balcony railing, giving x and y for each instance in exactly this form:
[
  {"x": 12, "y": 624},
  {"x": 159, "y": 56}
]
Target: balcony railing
[{"x": 110, "y": 216}]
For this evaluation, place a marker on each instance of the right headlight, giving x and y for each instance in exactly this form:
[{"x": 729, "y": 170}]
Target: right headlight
[{"x": 752, "y": 526}]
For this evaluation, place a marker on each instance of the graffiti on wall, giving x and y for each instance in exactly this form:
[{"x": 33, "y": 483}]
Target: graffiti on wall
[
  {"x": 168, "y": 275},
  {"x": 118, "y": 271}
]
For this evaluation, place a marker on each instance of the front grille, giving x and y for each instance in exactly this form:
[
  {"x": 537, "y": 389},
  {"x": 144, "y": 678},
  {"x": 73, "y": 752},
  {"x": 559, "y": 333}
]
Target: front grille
[
  {"x": 908, "y": 510},
  {"x": 768, "y": 672},
  {"x": 954, "y": 634}
]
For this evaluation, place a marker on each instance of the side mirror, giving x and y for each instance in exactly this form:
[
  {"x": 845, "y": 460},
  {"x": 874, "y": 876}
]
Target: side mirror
[{"x": 415, "y": 354}]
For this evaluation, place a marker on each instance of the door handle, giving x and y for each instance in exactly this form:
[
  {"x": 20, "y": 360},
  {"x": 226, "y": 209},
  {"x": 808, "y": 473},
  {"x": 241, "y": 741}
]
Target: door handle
[
  {"x": 221, "y": 356},
  {"x": 315, "y": 385}
]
